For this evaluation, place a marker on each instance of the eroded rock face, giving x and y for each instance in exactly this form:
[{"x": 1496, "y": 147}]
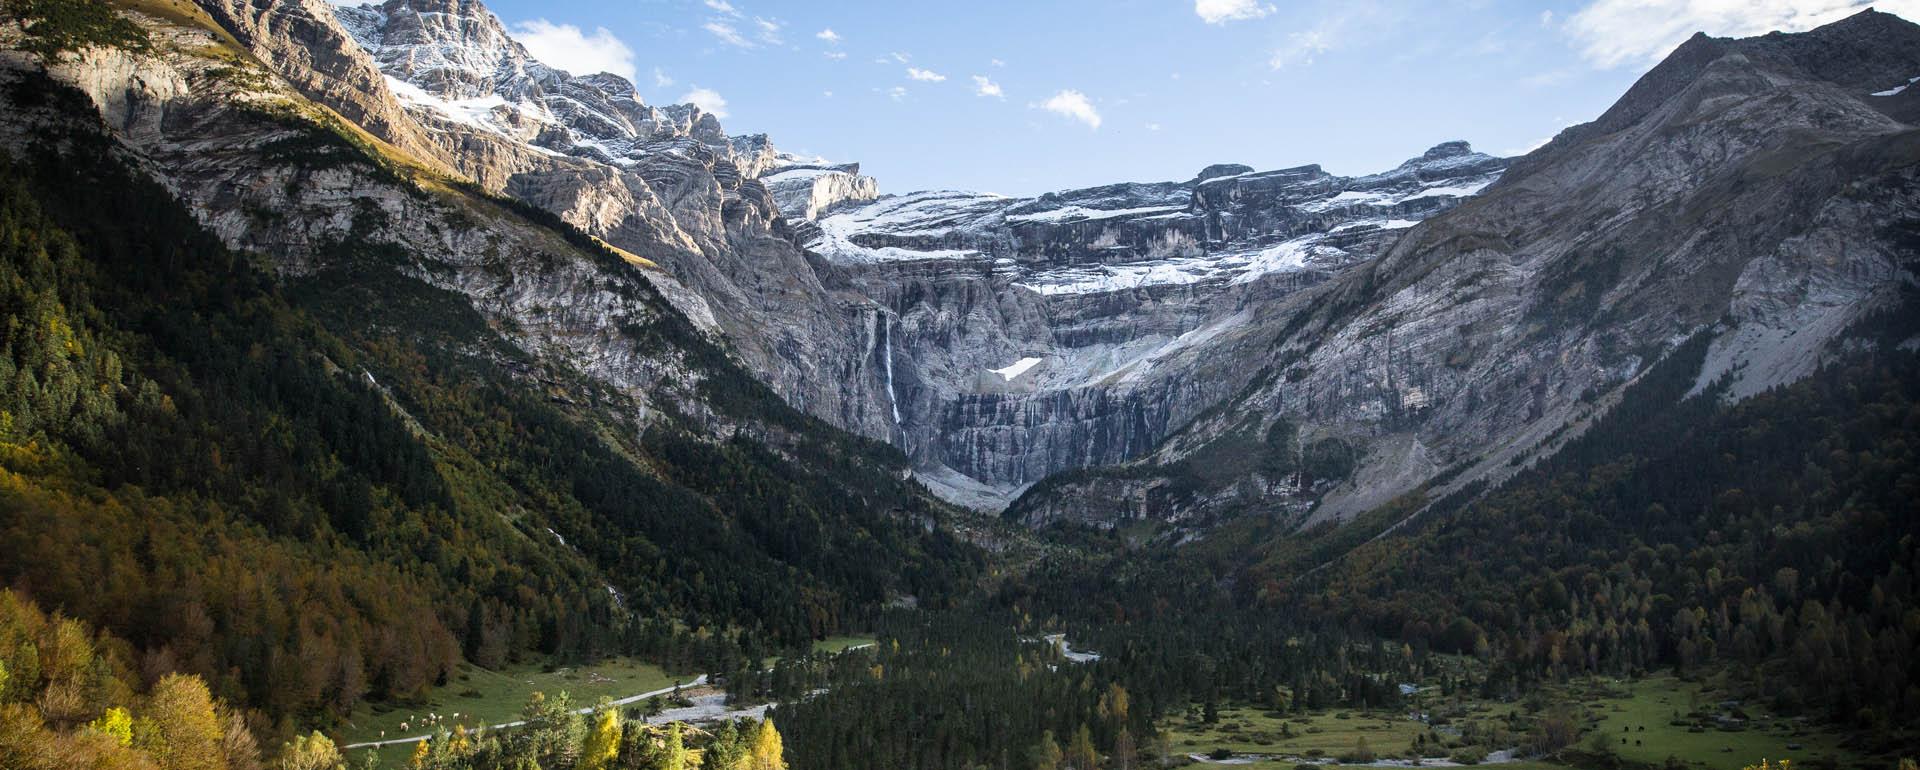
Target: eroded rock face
[
  {"x": 1726, "y": 194},
  {"x": 1451, "y": 313},
  {"x": 894, "y": 331},
  {"x": 664, "y": 183},
  {"x": 1103, "y": 292}
]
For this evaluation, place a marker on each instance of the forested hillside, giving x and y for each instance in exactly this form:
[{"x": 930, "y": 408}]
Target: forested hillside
[
  {"x": 321, "y": 492},
  {"x": 1772, "y": 540}
]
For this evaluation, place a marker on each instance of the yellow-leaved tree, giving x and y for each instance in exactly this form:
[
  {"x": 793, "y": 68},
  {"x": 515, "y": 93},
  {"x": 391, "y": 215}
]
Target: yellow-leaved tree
[
  {"x": 767, "y": 753},
  {"x": 187, "y": 732},
  {"x": 309, "y": 752},
  {"x": 116, "y": 724},
  {"x": 602, "y": 745}
]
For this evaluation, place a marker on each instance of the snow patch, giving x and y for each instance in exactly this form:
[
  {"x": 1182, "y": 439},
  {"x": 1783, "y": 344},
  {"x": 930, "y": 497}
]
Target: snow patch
[
  {"x": 1895, "y": 91},
  {"x": 1082, "y": 213},
  {"x": 1016, "y": 368}
]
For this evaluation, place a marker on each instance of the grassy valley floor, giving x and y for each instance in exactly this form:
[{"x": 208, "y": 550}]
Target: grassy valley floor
[{"x": 1658, "y": 721}]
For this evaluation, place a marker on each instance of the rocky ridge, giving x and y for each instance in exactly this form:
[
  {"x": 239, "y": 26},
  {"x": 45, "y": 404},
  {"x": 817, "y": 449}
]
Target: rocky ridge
[
  {"x": 1089, "y": 282},
  {"x": 1760, "y": 191},
  {"x": 1036, "y": 335}
]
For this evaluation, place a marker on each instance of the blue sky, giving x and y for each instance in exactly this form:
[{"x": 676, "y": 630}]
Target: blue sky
[{"x": 1021, "y": 98}]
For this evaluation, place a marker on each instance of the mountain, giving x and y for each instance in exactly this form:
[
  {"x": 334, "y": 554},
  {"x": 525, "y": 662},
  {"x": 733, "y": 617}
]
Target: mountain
[
  {"x": 763, "y": 247},
  {"x": 279, "y": 388},
  {"x": 1030, "y": 336},
  {"x": 1757, "y": 191},
  {"x": 345, "y": 347}
]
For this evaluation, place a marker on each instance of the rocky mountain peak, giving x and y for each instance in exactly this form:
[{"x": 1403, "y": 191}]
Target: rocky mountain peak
[
  {"x": 1452, "y": 149},
  {"x": 1218, "y": 170},
  {"x": 452, "y": 48}
]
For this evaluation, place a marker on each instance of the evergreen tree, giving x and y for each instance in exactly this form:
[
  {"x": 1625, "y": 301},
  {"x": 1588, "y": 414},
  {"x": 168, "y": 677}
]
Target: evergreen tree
[
  {"x": 1044, "y": 755},
  {"x": 727, "y": 750}
]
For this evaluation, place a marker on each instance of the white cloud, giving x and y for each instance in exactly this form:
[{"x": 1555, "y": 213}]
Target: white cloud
[
  {"x": 1349, "y": 24},
  {"x": 727, "y": 33},
  {"x": 1301, "y": 48},
  {"x": 706, "y": 99},
  {"x": 1074, "y": 105},
  {"x": 769, "y": 29},
  {"x": 897, "y": 93},
  {"x": 997, "y": 63},
  {"x": 835, "y": 54},
  {"x": 724, "y": 7},
  {"x": 1223, "y": 11},
  {"x": 661, "y": 79},
  {"x": 832, "y": 37},
  {"x": 566, "y": 47},
  {"x": 1611, "y": 33},
  {"x": 915, "y": 73},
  {"x": 1153, "y": 126},
  {"x": 1546, "y": 18},
  {"x": 900, "y": 57},
  {"x": 827, "y": 94},
  {"x": 985, "y": 87}
]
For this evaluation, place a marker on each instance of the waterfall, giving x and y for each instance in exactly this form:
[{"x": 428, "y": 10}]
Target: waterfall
[{"x": 892, "y": 400}]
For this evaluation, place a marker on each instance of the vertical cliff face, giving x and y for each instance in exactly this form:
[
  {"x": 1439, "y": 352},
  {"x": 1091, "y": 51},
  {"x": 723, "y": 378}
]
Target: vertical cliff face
[
  {"x": 1037, "y": 335},
  {"x": 1452, "y": 313},
  {"x": 1758, "y": 191},
  {"x": 1037, "y": 339},
  {"x": 662, "y": 183}
]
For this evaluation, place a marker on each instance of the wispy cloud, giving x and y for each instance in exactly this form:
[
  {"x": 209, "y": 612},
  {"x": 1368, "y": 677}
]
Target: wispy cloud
[
  {"x": 897, "y": 93},
  {"x": 1074, "y": 105},
  {"x": 769, "y": 29},
  {"x": 835, "y": 55},
  {"x": 982, "y": 86},
  {"x": 724, "y": 7},
  {"x": 832, "y": 37},
  {"x": 661, "y": 79},
  {"x": 727, "y": 33},
  {"x": 566, "y": 47},
  {"x": 996, "y": 63},
  {"x": 706, "y": 99},
  {"x": 929, "y": 76},
  {"x": 1612, "y": 33},
  {"x": 1339, "y": 28},
  {"x": 1301, "y": 48},
  {"x": 900, "y": 57}
]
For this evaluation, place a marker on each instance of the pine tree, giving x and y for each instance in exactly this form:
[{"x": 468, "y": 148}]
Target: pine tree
[
  {"x": 1124, "y": 751},
  {"x": 726, "y": 751},
  {"x": 1044, "y": 755},
  {"x": 674, "y": 756}
]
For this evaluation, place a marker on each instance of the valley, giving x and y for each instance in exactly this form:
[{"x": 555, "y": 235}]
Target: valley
[{"x": 377, "y": 395}]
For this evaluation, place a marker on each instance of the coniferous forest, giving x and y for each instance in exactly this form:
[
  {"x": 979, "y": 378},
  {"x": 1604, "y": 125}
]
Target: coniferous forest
[{"x": 261, "y": 509}]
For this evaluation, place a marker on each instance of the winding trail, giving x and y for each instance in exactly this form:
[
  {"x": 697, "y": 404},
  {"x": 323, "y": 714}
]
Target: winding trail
[{"x": 696, "y": 682}]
